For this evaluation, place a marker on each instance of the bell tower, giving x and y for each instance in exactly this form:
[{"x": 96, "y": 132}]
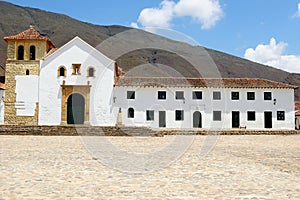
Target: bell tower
[{"x": 24, "y": 52}]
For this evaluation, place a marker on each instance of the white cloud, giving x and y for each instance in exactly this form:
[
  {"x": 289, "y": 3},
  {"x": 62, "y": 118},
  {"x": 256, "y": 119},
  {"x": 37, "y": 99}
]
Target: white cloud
[
  {"x": 157, "y": 17},
  {"x": 298, "y": 11},
  {"x": 134, "y": 25},
  {"x": 205, "y": 12},
  {"x": 272, "y": 54}
]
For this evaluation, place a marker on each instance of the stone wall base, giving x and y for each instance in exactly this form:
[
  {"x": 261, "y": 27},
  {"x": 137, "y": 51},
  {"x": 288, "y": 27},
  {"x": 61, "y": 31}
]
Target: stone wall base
[
  {"x": 228, "y": 132},
  {"x": 83, "y": 130}
]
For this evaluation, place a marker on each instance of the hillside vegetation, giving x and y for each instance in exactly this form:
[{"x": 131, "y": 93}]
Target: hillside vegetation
[{"x": 61, "y": 28}]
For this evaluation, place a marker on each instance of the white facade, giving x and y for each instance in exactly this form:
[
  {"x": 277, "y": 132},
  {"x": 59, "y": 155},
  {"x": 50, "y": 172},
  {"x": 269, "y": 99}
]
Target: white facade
[
  {"x": 50, "y": 91},
  {"x": 146, "y": 98},
  {"x": 105, "y": 100},
  {"x": 26, "y": 102}
]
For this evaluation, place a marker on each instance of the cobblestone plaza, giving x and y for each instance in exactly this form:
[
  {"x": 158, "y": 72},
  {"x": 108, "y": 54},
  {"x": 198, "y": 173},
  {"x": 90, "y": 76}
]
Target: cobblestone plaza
[{"x": 237, "y": 167}]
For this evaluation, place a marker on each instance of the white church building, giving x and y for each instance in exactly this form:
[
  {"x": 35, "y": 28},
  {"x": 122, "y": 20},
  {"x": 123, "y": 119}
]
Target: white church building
[{"x": 77, "y": 84}]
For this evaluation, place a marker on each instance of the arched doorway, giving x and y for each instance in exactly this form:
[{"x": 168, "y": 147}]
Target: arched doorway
[
  {"x": 32, "y": 53},
  {"x": 21, "y": 52},
  {"x": 70, "y": 92},
  {"x": 75, "y": 109},
  {"x": 197, "y": 119}
]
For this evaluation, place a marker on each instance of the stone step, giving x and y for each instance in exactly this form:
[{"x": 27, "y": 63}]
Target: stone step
[
  {"x": 127, "y": 131},
  {"x": 228, "y": 132},
  {"x": 75, "y": 130}
]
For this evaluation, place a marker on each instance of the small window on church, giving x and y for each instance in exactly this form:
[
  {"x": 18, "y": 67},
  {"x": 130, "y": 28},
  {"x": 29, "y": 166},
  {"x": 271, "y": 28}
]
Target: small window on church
[
  {"x": 91, "y": 72},
  {"x": 21, "y": 52},
  {"x": 27, "y": 71},
  {"x": 32, "y": 52},
  {"x": 62, "y": 71},
  {"x": 76, "y": 69}
]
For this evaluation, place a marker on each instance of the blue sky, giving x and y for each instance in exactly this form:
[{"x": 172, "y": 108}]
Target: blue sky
[{"x": 264, "y": 31}]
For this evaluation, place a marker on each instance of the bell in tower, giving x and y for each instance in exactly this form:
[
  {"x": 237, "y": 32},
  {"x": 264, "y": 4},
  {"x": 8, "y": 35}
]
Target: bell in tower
[{"x": 24, "y": 52}]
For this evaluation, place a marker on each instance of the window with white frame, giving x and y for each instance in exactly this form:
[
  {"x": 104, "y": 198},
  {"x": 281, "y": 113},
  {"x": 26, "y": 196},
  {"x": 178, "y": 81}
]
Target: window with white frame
[
  {"x": 250, "y": 95},
  {"x": 91, "y": 72},
  {"x": 280, "y": 115},
  {"x": 267, "y": 96},
  {"x": 130, "y": 94},
  {"x": 217, "y": 115},
  {"x": 251, "y": 115},
  {"x": 150, "y": 115},
  {"x": 179, "y": 115},
  {"x": 179, "y": 95},
  {"x": 217, "y": 95},
  {"x": 162, "y": 95},
  {"x": 197, "y": 95},
  {"x": 235, "y": 95}
]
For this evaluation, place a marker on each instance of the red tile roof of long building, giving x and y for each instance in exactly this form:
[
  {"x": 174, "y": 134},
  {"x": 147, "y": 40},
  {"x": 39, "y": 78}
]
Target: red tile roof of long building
[{"x": 200, "y": 82}]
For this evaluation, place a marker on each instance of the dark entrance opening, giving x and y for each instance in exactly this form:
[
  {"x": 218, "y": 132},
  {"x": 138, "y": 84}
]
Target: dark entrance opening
[
  {"x": 75, "y": 109},
  {"x": 61, "y": 71},
  {"x": 162, "y": 118},
  {"x": 268, "y": 119},
  {"x": 197, "y": 120},
  {"x": 235, "y": 119},
  {"x": 21, "y": 52},
  {"x": 32, "y": 52}
]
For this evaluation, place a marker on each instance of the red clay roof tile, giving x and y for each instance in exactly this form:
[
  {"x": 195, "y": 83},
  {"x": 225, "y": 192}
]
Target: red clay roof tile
[
  {"x": 201, "y": 82},
  {"x": 29, "y": 34}
]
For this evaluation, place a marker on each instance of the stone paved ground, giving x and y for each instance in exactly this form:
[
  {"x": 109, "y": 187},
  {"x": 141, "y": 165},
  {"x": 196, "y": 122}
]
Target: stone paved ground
[{"x": 238, "y": 167}]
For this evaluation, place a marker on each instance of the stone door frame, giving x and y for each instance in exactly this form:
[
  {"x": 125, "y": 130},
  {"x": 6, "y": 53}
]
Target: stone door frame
[{"x": 67, "y": 91}]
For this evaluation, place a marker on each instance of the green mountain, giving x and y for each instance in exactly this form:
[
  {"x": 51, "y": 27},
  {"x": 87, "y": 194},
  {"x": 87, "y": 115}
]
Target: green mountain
[{"x": 61, "y": 28}]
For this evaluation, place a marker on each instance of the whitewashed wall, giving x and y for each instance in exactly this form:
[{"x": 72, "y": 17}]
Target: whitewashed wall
[
  {"x": 146, "y": 99},
  {"x": 26, "y": 95},
  {"x": 50, "y": 94},
  {"x": 105, "y": 100}
]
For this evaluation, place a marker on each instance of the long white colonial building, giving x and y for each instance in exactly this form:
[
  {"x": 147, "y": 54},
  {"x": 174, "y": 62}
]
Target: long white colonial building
[{"x": 77, "y": 84}]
